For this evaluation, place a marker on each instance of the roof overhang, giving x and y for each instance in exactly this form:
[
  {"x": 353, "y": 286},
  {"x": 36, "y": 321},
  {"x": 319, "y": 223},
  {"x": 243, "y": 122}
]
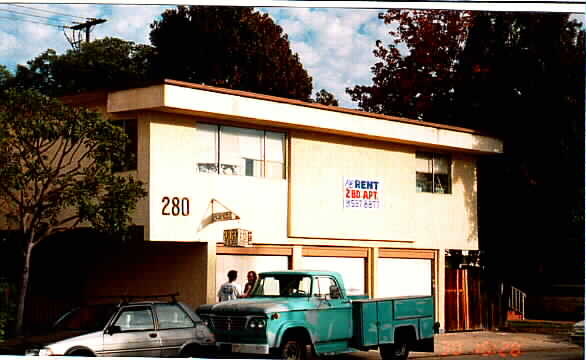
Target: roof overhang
[{"x": 239, "y": 106}]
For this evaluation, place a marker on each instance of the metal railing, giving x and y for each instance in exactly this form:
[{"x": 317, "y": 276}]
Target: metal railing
[{"x": 517, "y": 301}]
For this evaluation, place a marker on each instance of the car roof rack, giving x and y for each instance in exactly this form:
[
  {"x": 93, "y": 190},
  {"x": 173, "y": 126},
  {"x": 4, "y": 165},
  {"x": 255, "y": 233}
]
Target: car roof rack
[
  {"x": 128, "y": 298},
  {"x": 125, "y": 299}
]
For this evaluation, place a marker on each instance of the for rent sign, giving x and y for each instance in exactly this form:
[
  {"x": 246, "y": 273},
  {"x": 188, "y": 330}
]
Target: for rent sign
[{"x": 362, "y": 193}]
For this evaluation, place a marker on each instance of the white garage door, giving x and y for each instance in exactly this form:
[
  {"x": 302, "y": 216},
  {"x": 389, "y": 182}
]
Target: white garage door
[
  {"x": 351, "y": 269},
  {"x": 403, "y": 277},
  {"x": 244, "y": 263}
]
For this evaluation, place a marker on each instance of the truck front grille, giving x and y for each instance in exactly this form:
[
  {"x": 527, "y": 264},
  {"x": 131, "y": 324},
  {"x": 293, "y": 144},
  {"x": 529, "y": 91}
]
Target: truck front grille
[{"x": 229, "y": 323}]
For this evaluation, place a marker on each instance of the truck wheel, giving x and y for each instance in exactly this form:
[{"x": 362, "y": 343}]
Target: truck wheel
[
  {"x": 397, "y": 351},
  {"x": 294, "y": 350}
]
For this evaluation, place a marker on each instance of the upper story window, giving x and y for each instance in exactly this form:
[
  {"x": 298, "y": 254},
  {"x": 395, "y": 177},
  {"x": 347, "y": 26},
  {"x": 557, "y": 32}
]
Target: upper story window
[
  {"x": 229, "y": 150},
  {"x": 433, "y": 173},
  {"x": 130, "y": 127}
]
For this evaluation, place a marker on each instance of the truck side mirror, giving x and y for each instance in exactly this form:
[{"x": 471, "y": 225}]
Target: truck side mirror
[{"x": 335, "y": 292}]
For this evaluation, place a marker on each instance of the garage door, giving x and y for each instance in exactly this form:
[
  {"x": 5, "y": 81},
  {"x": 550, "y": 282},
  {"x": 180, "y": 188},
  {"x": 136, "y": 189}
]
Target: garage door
[
  {"x": 244, "y": 263},
  {"x": 403, "y": 277},
  {"x": 351, "y": 269}
]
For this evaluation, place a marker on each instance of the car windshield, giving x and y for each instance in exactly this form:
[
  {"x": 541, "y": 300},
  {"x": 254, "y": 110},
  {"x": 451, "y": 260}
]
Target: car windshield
[
  {"x": 86, "y": 318},
  {"x": 283, "y": 285}
]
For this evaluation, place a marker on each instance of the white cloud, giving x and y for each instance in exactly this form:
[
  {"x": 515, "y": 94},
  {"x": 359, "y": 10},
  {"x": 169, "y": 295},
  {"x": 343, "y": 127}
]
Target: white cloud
[
  {"x": 308, "y": 55},
  {"x": 130, "y": 22},
  {"x": 8, "y": 43},
  {"x": 335, "y": 45}
]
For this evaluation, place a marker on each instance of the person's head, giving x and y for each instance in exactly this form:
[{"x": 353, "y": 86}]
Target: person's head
[
  {"x": 251, "y": 276},
  {"x": 232, "y": 275}
]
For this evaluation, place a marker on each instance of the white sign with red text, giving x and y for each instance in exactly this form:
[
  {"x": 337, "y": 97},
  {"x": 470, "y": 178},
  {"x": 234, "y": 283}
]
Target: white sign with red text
[{"x": 362, "y": 193}]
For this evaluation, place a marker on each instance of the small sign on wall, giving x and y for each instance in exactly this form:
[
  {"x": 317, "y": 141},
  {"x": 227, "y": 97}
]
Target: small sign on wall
[
  {"x": 362, "y": 193},
  {"x": 237, "y": 238}
]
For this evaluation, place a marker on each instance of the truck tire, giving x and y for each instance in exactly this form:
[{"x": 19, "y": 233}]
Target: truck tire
[
  {"x": 398, "y": 351},
  {"x": 294, "y": 349}
]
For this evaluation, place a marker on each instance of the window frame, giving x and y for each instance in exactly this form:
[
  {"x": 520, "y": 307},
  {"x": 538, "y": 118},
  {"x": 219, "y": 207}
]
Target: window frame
[
  {"x": 136, "y": 308},
  {"x": 435, "y": 156},
  {"x": 179, "y": 308},
  {"x": 263, "y": 170},
  {"x": 315, "y": 284},
  {"x": 132, "y": 146}
]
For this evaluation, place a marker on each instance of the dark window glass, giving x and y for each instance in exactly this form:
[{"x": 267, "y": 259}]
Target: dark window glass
[
  {"x": 130, "y": 128},
  {"x": 88, "y": 317},
  {"x": 433, "y": 173}
]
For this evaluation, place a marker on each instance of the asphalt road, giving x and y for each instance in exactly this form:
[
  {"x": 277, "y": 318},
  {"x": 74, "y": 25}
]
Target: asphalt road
[{"x": 560, "y": 354}]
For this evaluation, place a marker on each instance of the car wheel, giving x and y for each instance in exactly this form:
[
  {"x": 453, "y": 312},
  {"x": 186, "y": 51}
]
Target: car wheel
[
  {"x": 191, "y": 351},
  {"x": 84, "y": 353}
]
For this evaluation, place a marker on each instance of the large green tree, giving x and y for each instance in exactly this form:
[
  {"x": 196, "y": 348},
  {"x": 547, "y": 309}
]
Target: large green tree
[
  {"x": 519, "y": 76},
  {"x": 231, "y": 47},
  {"x": 108, "y": 63},
  {"x": 56, "y": 173},
  {"x": 416, "y": 71}
]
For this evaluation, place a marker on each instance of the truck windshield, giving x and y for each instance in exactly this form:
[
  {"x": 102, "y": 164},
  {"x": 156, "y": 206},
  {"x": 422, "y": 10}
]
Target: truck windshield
[{"x": 283, "y": 285}]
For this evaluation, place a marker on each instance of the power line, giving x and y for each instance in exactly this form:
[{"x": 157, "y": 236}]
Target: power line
[
  {"x": 25, "y": 14},
  {"x": 48, "y": 11},
  {"x": 77, "y": 30},
  {"x": 34, "y": 22}
]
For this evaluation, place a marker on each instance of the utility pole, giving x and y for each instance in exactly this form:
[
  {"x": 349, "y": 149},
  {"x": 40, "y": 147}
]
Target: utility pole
[{"x": 75, "y": 41}]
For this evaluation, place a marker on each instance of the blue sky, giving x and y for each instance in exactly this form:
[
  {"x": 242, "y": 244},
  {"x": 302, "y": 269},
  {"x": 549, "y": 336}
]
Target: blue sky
[{"x": 335, "y": 45}]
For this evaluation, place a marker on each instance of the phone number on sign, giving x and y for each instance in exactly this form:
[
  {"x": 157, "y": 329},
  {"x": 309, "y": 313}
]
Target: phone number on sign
[{"x": 365, "y": 204}]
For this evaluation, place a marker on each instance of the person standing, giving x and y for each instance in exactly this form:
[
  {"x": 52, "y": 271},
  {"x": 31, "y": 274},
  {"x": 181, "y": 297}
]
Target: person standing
[
  {"x": 251, "y": 277},
  {"x": 230, "y": 290}
]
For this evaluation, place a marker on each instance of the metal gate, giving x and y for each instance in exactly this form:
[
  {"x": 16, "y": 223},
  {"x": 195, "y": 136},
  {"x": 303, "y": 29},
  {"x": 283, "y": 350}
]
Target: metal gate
[{"x": 465, "y": 305}]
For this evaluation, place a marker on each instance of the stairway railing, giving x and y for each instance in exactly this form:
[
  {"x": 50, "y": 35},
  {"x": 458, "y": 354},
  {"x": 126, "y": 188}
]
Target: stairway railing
[{"x": 517, "y": 301}]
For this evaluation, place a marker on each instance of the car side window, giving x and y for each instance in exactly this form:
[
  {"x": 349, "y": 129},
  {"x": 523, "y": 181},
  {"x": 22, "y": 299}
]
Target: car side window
[
  {"x": 326, "y": 286},
  {"x": 135, "y": 319},
  {"x": 171, "y": 316}
]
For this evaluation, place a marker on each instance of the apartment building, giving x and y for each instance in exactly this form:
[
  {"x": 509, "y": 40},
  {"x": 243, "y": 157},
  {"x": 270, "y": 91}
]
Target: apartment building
[{"x": 243, "y": 181}]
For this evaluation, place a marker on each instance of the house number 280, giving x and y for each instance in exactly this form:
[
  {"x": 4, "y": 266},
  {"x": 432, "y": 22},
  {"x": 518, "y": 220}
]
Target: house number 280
[{"x": 175, "y": 206}]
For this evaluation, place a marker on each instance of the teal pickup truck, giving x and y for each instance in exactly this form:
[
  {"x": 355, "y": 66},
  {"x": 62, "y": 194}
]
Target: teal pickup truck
[{"x": 297, "y": 314}]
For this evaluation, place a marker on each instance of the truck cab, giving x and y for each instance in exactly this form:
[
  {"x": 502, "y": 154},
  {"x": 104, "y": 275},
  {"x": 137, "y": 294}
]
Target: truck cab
[{"x": 297, "y": 314}]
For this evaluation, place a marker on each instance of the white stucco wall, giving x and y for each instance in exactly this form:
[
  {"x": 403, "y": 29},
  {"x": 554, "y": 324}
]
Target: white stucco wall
[
  {"x": 261, "y": 204},
  {"x": 319, "y": 164}
]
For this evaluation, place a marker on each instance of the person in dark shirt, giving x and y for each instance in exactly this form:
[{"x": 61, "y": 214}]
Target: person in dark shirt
[{"x": 251, "y": 277}]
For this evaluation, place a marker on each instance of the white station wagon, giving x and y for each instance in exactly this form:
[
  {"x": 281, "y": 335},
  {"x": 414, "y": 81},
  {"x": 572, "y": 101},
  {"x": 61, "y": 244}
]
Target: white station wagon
[{"x": 146, "y": 329}]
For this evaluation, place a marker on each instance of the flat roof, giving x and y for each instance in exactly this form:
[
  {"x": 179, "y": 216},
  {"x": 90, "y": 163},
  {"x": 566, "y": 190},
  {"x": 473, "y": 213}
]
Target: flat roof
[{"x": 241, "y": 106}]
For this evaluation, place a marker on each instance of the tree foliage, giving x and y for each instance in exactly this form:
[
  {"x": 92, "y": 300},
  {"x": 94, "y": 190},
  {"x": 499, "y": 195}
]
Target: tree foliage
[
  {"x": 519, "y": 76},
  {"x": 231, "y": 47},
  {"x": 108, "y": 63},
  {"x": 324, "y": 97},
  {"x": 56, "y": 172},
  {"x": 421, "y": 81}
]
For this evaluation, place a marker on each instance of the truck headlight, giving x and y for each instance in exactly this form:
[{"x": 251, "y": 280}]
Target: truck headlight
[{"x": 257, "y": 323}]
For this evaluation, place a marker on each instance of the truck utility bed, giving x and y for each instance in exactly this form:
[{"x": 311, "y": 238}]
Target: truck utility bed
[{"x": 375, "y": 320}]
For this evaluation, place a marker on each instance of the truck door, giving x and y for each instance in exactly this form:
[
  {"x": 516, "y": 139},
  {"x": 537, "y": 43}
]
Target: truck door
[{"x": 334, "y": 312}]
